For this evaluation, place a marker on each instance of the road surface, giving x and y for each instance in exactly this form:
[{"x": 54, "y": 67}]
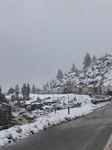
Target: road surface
[{"x": 90, "y": 132}]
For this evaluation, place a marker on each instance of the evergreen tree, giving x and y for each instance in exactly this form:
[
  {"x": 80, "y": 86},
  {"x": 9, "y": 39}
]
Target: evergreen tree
[
  {"x": 73, "y": 69},
  {"x": 59, "y": 74},
  {"x": 16, "y": 91},
  {"x": 33, "y": 89},
  {"x": 47, "y": 84},
  {"x": 93, "y": 59},
  {"x": 87, "y": 61},
  {"x": 44, "y": 87},
  {"x": 77, "y": 72},
  {"x": 27, "y": 91},
  {"x": 37, "y": 90},
  {"x": 23, "y": 91},
  {"x": 11, "y": 91},
  {"x": 52, "y": 84}
]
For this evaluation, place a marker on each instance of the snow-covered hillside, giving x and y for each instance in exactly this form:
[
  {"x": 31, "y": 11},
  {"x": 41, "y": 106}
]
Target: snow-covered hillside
[
  {"x": 27, "y": 110},
  {"x": 30, "y": 116},
  {"x": 97, "y": 73},
  {"x": 46, "y": 117}
]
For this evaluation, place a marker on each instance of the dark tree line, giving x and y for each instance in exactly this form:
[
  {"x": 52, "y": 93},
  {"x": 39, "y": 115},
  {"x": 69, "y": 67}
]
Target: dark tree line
[
  {"x": 34, "y": 89},
  {"x": 25, "y": 90}
]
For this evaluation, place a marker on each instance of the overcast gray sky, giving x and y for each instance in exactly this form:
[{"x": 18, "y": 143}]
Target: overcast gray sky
[{"x": 38, "y": 37}]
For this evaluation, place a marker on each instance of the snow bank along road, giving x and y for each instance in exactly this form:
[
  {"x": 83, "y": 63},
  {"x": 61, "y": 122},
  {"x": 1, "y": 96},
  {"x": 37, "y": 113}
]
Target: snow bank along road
[{"x": 90, "y": 132}]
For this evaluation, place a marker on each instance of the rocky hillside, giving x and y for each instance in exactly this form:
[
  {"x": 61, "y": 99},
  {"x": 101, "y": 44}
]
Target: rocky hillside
[
  {"x": 27, "y": 111},
  {"x": 98, "y": 73},
  {"x": 5, "y": 112}
]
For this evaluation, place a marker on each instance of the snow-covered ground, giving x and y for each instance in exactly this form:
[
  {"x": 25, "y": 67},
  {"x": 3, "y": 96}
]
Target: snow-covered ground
[{"x": 50, "y": 118}]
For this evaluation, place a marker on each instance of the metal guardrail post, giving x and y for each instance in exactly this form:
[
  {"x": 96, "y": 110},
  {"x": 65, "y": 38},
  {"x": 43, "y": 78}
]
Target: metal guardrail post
[{"x": 55, "y": 107}]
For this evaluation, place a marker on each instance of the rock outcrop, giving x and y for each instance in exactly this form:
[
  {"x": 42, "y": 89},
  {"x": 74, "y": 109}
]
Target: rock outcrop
[{"x": 5, "y": 112}]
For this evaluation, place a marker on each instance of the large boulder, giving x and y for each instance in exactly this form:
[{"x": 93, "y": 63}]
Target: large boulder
[{"x": 5, "y": 112}]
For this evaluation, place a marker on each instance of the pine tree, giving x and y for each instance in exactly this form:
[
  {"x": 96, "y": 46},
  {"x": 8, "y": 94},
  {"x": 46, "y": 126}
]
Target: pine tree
[
  {"x": 23, "y": 90},
  {"x": 16, "y": 91},
  {"x": 37, "y": 90},
  {"x": 47, "y": 84},
  {"x": 59, "y": 74},
  {"x": 52, "y": 84},
  {"x": 11, "y": 91},
  {"x": 33, "y": 89},
  {"x": 87, "y": 61},
  {"x": 73, "y": 69},
  {"x": 44, "y": 87},
  {"x": 93, "y": 59},
  {"x": 77, "y": 72},
  {"x": 27, "y": 91}
]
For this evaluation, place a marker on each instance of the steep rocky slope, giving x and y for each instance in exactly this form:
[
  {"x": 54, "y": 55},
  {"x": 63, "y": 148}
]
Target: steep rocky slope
[
  {"x": 98, "y": 73},
  {"x": 5, "y": 112}
]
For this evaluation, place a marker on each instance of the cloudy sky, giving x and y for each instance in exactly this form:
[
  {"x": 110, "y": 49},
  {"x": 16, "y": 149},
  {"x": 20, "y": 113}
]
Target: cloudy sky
[{"x": 38, "y": 37}]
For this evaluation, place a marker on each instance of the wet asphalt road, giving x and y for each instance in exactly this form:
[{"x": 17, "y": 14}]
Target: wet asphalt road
[{"x": 90, "y": 132}]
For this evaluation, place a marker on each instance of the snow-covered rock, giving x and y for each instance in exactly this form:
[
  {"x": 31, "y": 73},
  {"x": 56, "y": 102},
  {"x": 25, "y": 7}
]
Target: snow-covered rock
[
  {"x": 48, "y": 119},
  {"x": 99, "y": 73}
]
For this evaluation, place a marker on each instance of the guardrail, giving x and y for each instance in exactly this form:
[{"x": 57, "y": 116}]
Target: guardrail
[{"x": 100, "y": 99}]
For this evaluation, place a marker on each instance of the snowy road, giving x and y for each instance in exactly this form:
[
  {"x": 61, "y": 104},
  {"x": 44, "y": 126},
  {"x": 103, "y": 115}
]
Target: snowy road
[{"x": 90, "y": 132}]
